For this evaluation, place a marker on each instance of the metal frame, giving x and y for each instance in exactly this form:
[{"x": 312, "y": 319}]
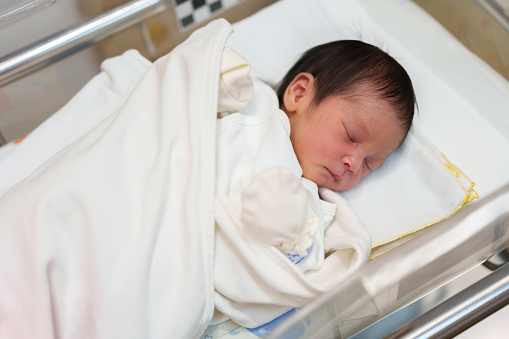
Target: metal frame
[
  {"x": 62, "y": 44},
  {"x": 461, "y": 311},
  {"x": 496, "y": 11}
]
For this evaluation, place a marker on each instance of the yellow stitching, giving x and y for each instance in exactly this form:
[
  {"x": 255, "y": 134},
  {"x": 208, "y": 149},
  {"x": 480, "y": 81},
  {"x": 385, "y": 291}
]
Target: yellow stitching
[
  {"x": 376, "y": 255},
  {"x": 470, "y": 195},
  {"x": 456, "y": 174}
]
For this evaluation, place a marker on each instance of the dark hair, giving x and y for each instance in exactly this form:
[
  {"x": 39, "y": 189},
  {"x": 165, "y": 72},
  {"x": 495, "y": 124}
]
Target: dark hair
[{"x": 340, "y": 67}]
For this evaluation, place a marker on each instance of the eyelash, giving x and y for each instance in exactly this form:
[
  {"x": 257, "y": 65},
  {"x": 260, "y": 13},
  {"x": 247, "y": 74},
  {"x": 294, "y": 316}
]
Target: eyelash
[
  {"x": 353, "y": 141},
  {"x": 348, "y": 135}
]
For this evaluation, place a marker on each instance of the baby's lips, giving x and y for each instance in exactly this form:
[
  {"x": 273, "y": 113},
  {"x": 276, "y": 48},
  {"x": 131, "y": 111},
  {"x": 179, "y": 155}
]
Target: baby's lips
[{"x": 334, "y": 175}]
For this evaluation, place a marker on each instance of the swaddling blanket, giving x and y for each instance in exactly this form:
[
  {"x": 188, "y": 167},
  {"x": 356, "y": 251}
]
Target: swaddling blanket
[
  {"x": 114, "y": 236},
  {"x": 255, "y": 281}
]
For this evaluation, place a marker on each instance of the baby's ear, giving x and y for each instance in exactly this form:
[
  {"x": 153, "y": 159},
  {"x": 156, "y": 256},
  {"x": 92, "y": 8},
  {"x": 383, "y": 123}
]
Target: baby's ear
[{"x": 300, "y": 88}]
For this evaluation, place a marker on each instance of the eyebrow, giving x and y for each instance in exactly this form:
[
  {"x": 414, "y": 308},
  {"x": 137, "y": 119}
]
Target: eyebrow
[{"x": 360, "y": 128}]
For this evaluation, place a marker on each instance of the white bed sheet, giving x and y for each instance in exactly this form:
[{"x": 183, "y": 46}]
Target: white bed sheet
[
  {"x": 481, "y": 86},
  {"x": 467, "y": 122}
]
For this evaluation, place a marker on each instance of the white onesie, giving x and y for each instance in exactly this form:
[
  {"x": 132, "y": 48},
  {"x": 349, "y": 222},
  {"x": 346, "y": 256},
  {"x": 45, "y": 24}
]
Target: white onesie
[{"x": 259, "y": 172}]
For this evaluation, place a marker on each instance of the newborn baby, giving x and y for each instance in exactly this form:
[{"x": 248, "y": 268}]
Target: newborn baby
[
  {"x": 257, "y": 169},
  {"x": 340, "y": 111}
]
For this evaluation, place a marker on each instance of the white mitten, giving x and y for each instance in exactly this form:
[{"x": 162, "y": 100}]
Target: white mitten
[
  {"x": 235, "y": 84},
  {"x": 274, "y": 212}
]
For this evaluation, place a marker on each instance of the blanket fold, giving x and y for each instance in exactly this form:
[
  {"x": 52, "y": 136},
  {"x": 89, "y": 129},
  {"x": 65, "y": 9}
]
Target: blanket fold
[
  {"x": 103, "y": 238},
  {"x": 256, "y": 283}
]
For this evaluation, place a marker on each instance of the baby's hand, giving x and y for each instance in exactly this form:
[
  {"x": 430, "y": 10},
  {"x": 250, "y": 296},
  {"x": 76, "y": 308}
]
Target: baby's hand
[
  {"x": 235, "y": 84},
  {"x": 274, "y": 211}
]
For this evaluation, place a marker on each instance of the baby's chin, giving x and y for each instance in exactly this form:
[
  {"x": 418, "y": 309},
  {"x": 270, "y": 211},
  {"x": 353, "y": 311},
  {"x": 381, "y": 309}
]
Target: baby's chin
[{"x": 338, "y": 185}]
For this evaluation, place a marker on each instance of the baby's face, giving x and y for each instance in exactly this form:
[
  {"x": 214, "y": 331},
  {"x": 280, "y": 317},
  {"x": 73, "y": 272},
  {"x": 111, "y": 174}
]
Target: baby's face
[{"x": 339, "y": 141}]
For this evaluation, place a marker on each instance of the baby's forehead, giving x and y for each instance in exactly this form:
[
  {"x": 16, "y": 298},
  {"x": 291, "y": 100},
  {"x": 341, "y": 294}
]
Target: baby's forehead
[
  {"x": 366, "y": 104},
  {"x": 374, "y": 112}
]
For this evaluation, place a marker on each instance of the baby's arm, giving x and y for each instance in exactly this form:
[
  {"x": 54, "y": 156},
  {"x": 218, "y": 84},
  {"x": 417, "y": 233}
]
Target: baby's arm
[
  {"x": 274, "y": 204},
  {"x": 235, "y": 85},
  {"x": 275, "y": 211}
]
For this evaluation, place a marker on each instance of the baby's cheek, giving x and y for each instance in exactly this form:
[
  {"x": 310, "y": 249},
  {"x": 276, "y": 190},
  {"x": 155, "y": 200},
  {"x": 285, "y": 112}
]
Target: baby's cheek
[
  {"x": 329, "y": 151},
  {"x": 314, "y": 176}
]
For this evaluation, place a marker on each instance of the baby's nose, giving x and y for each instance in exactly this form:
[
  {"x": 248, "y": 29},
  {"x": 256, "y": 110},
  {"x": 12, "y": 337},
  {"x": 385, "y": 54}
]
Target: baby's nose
[{"x": 352, "y": 163}]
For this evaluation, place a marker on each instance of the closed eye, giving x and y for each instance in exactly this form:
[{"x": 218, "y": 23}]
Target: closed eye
[{"x": 348, "y": 135}]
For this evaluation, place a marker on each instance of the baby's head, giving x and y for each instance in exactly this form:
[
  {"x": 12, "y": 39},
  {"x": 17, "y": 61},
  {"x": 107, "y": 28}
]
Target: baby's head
[{"x": 350, "y": 105}]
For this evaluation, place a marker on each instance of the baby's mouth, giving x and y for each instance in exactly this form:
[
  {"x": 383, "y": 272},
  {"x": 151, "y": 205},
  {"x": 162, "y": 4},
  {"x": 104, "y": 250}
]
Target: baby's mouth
[{"x": 334, "y": 175}]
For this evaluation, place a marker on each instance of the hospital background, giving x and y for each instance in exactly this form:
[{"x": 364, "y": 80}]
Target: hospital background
[{"x": 27, "y": 101}]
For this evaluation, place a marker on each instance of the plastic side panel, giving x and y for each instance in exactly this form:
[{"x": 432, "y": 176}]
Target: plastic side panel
[
  {"x": 10, "y": 9},
  {"x": 407, "y": 272}
]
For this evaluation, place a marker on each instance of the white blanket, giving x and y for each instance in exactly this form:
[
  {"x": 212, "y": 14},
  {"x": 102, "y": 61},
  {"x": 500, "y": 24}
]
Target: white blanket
[
  {"x": 113, "y": 237},
  {"x": 98, "y": 99},
  {"x": 256, "y": 283},
  {"x": 117, "y": 231}
]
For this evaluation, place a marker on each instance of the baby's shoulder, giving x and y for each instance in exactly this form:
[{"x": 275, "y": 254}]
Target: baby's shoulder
[{"x": 264, "y": 100}]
